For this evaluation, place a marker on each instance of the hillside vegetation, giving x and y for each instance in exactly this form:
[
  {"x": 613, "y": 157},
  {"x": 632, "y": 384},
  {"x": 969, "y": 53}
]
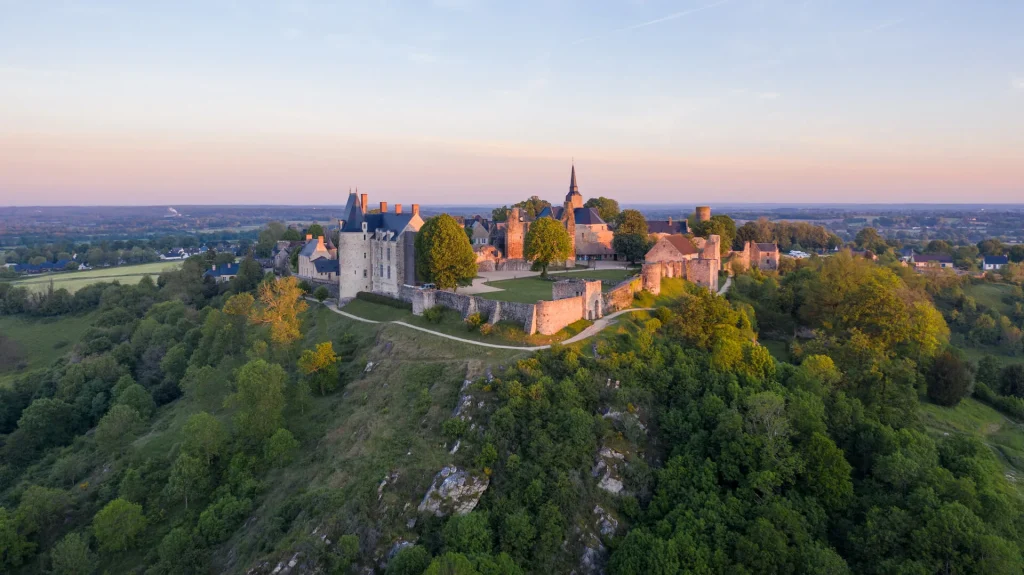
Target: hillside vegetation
[{"x": 234, "y": 428}]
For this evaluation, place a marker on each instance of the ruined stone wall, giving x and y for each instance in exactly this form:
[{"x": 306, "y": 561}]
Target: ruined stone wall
[
  {"x": 331, "y": 285},
  {"x": 512, "y": 265},
  {"x": 663, "y": 251},
  {"x": 485, "y": 266},
  {"x": 492, "y": 311},
  {"x": 741, "y": 260},
  {"x": 621, "y": 297},
  {"x": 704, "y": 272},
  {"x": 553, "y": 316},
  {"x": 422, "y": 300}
]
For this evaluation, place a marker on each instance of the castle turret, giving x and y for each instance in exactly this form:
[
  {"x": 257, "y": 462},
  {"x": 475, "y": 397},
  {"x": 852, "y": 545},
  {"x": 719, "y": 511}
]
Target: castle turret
[
  {"x": 514, "y": 235},
  {"x": 703, "y": 213}
]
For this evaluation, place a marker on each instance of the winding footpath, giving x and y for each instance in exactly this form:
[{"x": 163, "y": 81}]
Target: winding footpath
[{"x": 589, "y": 332}]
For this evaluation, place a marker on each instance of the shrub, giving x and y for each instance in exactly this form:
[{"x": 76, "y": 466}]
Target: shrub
[
  {"x": 321, "y": 294},
  {"x": 473, "y": 321},
  {"x": 434, "y": 314},
  {"x": 305, "y": 287},
  {"x": 485, "y": 328},
  {"x": 454, "y": 427},
  {"x": 383, "y": 300}
]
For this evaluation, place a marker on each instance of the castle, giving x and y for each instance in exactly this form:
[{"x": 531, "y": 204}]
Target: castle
[{"x": 376, "y": 250}]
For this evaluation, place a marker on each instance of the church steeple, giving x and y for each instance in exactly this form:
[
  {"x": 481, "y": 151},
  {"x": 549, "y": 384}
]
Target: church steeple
[{"x": 573, "y": 199}]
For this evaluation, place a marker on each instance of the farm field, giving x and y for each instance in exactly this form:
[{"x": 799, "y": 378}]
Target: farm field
[
  {"x": 73, "y": 281},
  {"x": 533, "y": 288},
  {"x": 34, "y": 343}
]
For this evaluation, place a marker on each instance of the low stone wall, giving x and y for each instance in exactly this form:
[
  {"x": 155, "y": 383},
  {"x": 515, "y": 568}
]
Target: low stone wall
[
  {"x": 553, "y": 316},
  {"x": 492, "y": 311},
  {"x": 512, "y": 266},
  {"x": 332, "y": 286},
  {"x": 621, "y": 297},
  {"x": 485, "y": 266}
]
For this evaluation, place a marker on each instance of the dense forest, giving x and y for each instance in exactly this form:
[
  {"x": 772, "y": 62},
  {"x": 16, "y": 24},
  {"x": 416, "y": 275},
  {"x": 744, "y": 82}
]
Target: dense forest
[{"x": 181, "y": 433}]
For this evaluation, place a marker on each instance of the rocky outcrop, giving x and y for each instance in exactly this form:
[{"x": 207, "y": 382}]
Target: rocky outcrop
[
  {"x": 609, "y": 468},
  {"x": 606, "y": 524},
  {"x": 454, "y": 491}
]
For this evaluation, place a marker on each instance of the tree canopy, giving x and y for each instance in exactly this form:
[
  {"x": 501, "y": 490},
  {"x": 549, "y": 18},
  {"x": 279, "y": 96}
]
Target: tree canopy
[
  {"x": 607, "y": 208},
  {"x": 444, "y": 255},
  {"x": 547, "y": 241}
]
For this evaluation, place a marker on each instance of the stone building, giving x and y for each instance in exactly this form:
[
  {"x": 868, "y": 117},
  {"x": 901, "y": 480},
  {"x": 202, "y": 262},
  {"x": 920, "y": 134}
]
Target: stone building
[
  {"x": 314, "y": 251},
  {"x": 762, "y": 255},
  {"x": 661, "y": 228},
  {"x": 678, "y": 256},
  {"x": 703, "y": 213},
  {"x": 376, "y": 252}
]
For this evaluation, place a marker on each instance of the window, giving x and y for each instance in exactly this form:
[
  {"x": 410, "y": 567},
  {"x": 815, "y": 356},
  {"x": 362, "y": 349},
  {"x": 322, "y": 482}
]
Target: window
[
  {"x": 381, "y": 270},
  {"x": 364, "y": 255},
  {"x": 389, "y": 272},
  {"x": 389, "y": 253},
  {"x": 364, "y": 273}
]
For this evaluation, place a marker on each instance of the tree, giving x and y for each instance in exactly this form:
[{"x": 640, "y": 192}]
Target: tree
[
  {"x": 136, "y": 397},
  {"x": 469, "y": 533},
  {"x": 118, "y": 525},
  {"x": 1011, "y": 380},
  {"x": 828, "y": 473},
  {"x": 260, "y": 399},
  {"x": 72, "y": 556},
  {"x": 533, "y": 206},
  {"x": 190, "y": 477},
  {"x": 315, "y": 230},
  {"x": 40, "y": 508},
  {"x": 949, "y": 379},
  {"x": 321, "y": 293},
  {"x": 14, "y": 547},
  {"x": 204, "y": 436},
  {"x": 631, "y": 222},
  {"x": 118, "y": 428},
  {"x": 633, "y": 246},
  {"x": 281, "y": 303},
  {"x": 451, "y": 564},
  {"x": 319, "y": 367},
  {"x": 47, "y": 421},
  {"x": 280, "y": 448},
  {"x": 409, "y": 561},
  {"x": 500, "y": 214},
  {"x": 444, "y": 255},
  {"x": 607, "y": 208},
  {"x": 722, "y": 226},
  {"x": 990, "y": 247},
  {"x": 547, "y": 242}
]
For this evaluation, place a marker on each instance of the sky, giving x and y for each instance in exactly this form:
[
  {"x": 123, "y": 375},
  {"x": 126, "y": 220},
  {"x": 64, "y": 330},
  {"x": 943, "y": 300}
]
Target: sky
[{"x": 485, "y": 101}]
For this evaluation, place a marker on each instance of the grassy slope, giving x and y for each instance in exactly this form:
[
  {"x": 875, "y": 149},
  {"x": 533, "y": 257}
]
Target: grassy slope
[
  {"x": 990, "y": 295},
  {"x": 42, "y": 340},
  {"x": 376, "y": 424},
  {"x": 1002, "y": 434},
  {"x": 73, "y": 281}
]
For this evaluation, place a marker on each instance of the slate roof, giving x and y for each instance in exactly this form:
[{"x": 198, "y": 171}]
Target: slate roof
[
  {"x": 325, "y": 266},
  {"x": 943, "y": 258},
  {"x": 767, "y": 247},
  {"x": 43, "y": 267},
  {"x": 583, "y": 216},
  {"x": 667, "y": 227},
  {"x": 996, "y": 260},
  {"x": 222, "y": 270},
  {"x": 310, "y": 248}
]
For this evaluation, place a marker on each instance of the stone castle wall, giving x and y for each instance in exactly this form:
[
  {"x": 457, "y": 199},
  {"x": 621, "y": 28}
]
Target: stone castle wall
[
  {"x": 514, "y": 236},
  {"x": 553, "y": 316},
  {"x": 650, "y": 277},
  {"x": 621, "y": 297},
  {"x": 703, "y": 273},
  {"x": 513, "y": 265}
]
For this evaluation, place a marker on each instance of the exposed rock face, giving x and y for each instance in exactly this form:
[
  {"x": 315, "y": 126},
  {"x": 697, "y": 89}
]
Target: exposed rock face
[
  {"x": 605, "y": 523},
  {"x": 609, "y": 468},
  {"x": 454, "y": 491},
  {"x": 593, "y": 559}
]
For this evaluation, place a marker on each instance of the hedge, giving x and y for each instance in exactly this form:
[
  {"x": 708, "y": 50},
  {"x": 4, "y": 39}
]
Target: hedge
[{"x": 1012, "y": 406}]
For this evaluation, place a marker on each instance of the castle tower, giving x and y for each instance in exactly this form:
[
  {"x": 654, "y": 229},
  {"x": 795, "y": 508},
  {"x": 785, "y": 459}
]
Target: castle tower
[
  {"x": 569, "y": 218},
  {"x": 703, "y": 213},
  {"x": 514, "y": 236},
  {"x": 573, "y": 198}
]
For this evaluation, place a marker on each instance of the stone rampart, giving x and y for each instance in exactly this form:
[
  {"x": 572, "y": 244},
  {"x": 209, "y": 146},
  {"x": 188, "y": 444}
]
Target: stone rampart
[
  {"x": 553, "y": 316},
  {"x": 512, "y": 265},
  {"x": 332, "y": 286},
  {"x": 650, "y": 277},
  {"x": 621, "y": 297},
  {"x": 703, "y": 273}
]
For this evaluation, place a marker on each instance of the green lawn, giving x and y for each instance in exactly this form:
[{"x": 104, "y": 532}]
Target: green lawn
[
  {"x": 40, "y": 341},
  {"x": 1002, "y": 434},
  {"x": 533, "y": 288},
  {"x": 991, "y": 295},
  {"x": 73, "y": 281}
]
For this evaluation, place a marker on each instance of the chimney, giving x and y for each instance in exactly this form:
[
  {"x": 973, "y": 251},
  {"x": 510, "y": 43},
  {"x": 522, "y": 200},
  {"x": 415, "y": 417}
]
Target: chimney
[
  {"x": 309, "y": 237},
  {"x": 415, "y": 209},
  {"x": 383, "y": 207},
  {"x": 363, "y": 199},
  {"x": 398, "y": 208},
  {"x": 214, "y": 268}
]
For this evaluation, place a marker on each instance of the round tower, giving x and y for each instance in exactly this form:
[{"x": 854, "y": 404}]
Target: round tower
[{"x": 703, "y": 213}]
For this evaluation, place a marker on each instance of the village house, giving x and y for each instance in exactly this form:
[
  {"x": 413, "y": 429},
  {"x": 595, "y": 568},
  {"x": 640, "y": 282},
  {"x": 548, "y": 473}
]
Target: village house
[
  {"x": 929, "y": 261},
  {"x": 762, "y": 255},
  {"x": 222, "y": 273},
  {"x": 315, "y": 260},
  {"x": 661, "y": 228},
  {"x": 994, "y": 263}
]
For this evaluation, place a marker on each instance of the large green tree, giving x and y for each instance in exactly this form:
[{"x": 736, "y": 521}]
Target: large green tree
[
  {"x": 72, "y": 556},
  {"x": 260, "y": 399},
  {"x": 632, "y": 246},
  {"x": 118, "y": 428},
  {"x": 547, "y": 242},
  {"x": 949, "y": 379},
  {"x": 117, "y": 526},
  {"x": 607, "y": 208},
  {"x": 631, "y": 222},
  {"x": 444, "y": 255},
  {"x": 720, "y": 225}
]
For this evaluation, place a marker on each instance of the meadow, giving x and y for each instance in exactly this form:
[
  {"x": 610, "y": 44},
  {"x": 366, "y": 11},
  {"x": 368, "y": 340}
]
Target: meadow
[
  {"x": 534, "y": 288},
  {"x": 35, "y": 343},
  {"x": 74, "y": 281}
]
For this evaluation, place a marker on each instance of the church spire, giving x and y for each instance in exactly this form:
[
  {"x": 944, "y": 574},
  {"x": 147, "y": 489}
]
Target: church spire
[{"x": 572, "y": 181}]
